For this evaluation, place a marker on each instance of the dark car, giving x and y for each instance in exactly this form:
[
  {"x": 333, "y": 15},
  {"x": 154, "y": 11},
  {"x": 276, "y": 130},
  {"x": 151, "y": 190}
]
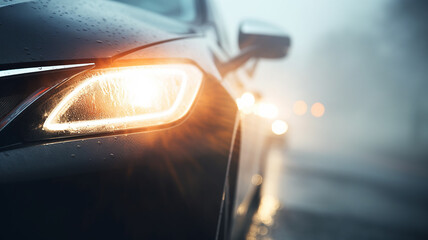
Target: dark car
[{"x": 118, "y": 120}]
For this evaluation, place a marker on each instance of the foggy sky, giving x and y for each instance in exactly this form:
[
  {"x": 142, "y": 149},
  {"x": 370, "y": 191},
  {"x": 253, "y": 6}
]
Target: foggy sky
[{"x": 364, "y": 60}]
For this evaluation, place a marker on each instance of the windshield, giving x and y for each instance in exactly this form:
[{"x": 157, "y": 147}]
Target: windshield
[{"x": 183, "y": 10}]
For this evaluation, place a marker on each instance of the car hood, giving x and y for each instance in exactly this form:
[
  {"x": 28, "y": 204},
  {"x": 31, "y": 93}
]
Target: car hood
[{"x": 36, "y": 33}]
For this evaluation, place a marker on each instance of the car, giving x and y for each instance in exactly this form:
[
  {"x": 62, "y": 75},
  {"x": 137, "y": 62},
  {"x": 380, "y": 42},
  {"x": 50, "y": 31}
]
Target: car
[{"x": 118, "y": 120}]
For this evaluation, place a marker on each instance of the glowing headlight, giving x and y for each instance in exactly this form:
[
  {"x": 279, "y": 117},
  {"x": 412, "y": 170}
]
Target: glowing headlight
[{"x": 124, "y": 98}]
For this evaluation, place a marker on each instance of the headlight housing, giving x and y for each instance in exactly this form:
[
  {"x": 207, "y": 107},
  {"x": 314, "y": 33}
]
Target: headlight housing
[{"x": 105, "y": 100}]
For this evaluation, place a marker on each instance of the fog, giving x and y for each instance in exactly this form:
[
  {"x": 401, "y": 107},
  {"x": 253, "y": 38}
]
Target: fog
[
  {"x": 360, "y": 169},
  {"x": 364, "y": 60}
]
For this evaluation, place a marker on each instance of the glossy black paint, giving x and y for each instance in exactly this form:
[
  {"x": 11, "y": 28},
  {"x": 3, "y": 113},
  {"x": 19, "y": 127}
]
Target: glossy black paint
[
  {"x": 78, "y": 31},
  {"x": 163, "y": 184},
  {"x": 170, "y": 182},
  {"x": 26, "y": 129}
]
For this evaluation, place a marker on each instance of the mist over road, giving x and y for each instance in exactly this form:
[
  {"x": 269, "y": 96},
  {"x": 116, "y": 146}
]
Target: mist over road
[{"x": 359, "y": 171}]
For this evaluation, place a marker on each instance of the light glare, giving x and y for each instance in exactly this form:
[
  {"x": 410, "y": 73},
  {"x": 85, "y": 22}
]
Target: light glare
[
  {"x": 141, "y": 93},
  {"x": 266, "y": 110},
  {"x": 279, "y": 127},
  {"x": 317, "y": 109},
  {"x": 246, "y": 102},
  {"x": 300, "y": 107},
  {"x": 123, "y": 98}
]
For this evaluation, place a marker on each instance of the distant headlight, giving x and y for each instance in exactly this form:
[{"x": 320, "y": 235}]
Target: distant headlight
[
  {"x": 125, "y": 98},
  {"x": 279, "y": 127}
]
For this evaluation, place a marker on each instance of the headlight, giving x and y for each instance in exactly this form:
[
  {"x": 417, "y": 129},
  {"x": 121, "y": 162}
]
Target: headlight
[
  {"x": 125, "y": 98},
  {"x": 279, "y": 127}
]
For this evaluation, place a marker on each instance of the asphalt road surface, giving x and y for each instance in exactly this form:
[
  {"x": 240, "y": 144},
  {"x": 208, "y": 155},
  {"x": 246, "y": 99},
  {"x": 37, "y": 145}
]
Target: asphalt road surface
[{"x": 311, "y": 196}]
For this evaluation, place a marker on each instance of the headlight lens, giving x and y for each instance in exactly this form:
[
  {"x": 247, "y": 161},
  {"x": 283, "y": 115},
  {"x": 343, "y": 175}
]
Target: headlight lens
[{"x": 126, "y": 98}]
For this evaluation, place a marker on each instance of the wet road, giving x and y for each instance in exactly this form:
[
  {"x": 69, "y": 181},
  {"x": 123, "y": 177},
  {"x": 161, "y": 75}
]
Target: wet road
[{"x": 311, "y": 196}]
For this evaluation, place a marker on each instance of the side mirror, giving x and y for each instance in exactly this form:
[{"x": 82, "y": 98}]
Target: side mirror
[
  {"x": 270, "y": 41},
  {"x": 258, "y": 40}
]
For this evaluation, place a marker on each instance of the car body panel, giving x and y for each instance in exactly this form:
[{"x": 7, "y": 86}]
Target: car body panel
[
  {"x": 76, "y": 31},
  {"x": 189, "y": 49},
  {"x": 176, "y": 174},
  {"x": 173, "y": 181}
]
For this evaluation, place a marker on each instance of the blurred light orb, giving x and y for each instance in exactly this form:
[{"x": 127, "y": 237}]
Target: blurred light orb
[
  {"x": 317, "y": 109},
  {"x": 246, "y": 102},
  {"x": 256, "y": 180},
  {"x": 300, "y": 107},
  {"x": 279, "y": 127},
  {"x": 248, "y": 99},
  {"x": 267, "y": 209},
  {"x": 266, "y": 110}
]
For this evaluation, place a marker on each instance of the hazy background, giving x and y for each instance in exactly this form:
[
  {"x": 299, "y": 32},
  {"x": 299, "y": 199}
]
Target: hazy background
[
  {"x": 360, "y": 170},
  {"x": 364, "y": 60}
]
